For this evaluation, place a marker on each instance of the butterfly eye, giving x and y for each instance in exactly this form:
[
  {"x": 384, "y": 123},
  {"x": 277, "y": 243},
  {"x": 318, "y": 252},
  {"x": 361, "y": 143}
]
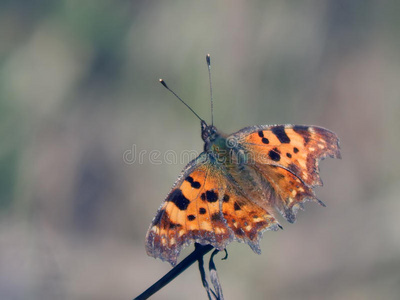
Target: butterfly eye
[{"x": 213, "y": 131}]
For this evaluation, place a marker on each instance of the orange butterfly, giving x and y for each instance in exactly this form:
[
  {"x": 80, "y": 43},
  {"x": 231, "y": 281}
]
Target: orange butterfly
[{"x": 229, "y": 191}]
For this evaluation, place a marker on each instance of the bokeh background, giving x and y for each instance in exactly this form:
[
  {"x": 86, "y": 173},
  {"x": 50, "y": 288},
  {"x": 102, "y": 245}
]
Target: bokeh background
[{"x": 79, "y": 87}]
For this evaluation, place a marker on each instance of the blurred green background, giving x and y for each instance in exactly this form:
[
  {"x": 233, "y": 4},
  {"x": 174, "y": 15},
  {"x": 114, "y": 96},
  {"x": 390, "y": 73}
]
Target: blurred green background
[{"x": 79, "y": 87}]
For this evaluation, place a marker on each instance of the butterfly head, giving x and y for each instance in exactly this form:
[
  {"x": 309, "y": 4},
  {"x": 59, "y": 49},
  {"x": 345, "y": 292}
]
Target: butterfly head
[{"x": 208, "y": 132}]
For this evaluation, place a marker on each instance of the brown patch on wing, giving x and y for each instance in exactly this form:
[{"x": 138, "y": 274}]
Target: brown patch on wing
[{"x": 246, "y": 218}]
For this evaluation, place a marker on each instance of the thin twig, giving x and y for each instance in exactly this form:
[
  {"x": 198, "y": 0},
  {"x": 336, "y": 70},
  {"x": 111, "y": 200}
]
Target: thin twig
[
  {"x": 214, "y": 277},
  {"x": 204, "y": 279},
  {"x": 199, "y": 251}
]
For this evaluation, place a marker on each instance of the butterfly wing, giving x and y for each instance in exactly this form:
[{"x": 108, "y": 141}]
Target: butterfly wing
[
  {"x": 244, "y": 216},
  {"x": 287, "y": 157},
  {"x": 204, "y": 206}
]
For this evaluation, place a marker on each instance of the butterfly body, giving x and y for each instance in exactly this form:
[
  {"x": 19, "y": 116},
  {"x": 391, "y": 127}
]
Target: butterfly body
[{"x": 230, "y": 191}]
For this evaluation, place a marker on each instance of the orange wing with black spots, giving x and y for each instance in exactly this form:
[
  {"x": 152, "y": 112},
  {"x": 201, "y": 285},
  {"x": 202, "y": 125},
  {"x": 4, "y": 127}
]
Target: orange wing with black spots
[
  {"x": 207, "y": 208},
  {"x": 190, "y": 213},
  {"x": 287, "y": 157}
]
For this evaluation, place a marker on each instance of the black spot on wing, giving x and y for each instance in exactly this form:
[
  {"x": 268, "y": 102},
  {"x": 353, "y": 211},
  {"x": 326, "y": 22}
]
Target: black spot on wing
[
  {"x": 261, "y": 133},
  {"x": 216, "y": 217},
  {"x": 174, "y": 225},
  {"x": 225, "y": 198},
  {"x": 189, "y": 179},
  {"x": 211, "y": 196},
  {"x": 178, "y": 199},
  {"x": 236, "y": 206},
  {"x": 194, "y": 184},
  {"x": 191, "y": 217},
  {"x": 295, "y": 150},
  {"x": 274, "y": 155},
  {"x": 303, "y": 131},
  {"x": 202, "y": 210},
  {"x": 265, "y": 140},
  {"x": 280, "y": 133}
]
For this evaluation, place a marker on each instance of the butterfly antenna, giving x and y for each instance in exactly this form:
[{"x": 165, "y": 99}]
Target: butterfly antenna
[
  {"x": 208, "y": 59},
  {"x": 166, "y": 86}
]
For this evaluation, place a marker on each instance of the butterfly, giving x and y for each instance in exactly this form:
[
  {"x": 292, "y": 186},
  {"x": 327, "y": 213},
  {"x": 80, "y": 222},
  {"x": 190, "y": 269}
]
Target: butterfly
[{"x": 231, "y": 191}]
